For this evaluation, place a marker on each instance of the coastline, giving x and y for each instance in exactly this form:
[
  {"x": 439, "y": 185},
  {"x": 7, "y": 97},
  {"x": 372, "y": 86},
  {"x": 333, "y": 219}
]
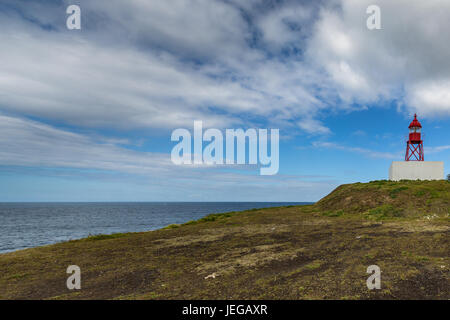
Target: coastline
[
  {"x": 55, "y": 222},
  {"x": 318, "y": 251}
]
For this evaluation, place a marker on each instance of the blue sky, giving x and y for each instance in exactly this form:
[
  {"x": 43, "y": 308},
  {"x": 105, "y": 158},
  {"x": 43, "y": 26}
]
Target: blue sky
[{"x": 86, "y": 115}]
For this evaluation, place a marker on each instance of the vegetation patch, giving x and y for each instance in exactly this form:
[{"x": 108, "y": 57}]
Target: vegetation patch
[
  {"x": 106, "y": 236},
  {"x": 314, "y": 265},
  {"x": 172, "y": 226},
  {"x": 333, "y": 214},
  {"x": 385, "y": 211},
  {"x": 318, "y": 251},
  {"x": 393, "y": 193}
]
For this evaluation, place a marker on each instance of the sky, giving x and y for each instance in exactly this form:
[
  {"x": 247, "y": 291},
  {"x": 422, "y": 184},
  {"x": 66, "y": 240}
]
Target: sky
[{"x": 87, "y": 115}]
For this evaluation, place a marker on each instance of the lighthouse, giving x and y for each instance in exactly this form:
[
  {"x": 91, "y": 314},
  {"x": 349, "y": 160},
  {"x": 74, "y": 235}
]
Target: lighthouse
[
  {"x": 414, "y": 145},
  {"x": 415, "y": 167}
]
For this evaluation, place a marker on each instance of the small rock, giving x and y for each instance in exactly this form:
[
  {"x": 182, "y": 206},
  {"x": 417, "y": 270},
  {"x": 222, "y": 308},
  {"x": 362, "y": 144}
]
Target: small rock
[{"x": 212, "y": 275}]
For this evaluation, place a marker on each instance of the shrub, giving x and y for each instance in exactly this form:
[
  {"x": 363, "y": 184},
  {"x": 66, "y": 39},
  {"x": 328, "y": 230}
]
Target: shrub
[
  {"x": 394, "y": 192},
  {"x": 385, "y": 211}
]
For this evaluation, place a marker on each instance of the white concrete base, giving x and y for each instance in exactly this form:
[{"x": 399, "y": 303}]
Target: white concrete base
[{"x": 416, "y": 170}]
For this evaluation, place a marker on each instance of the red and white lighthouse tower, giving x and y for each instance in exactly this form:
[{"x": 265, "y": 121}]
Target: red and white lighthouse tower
[
  {"x": 415, "y": 167},
  {"x": 414, "y": 145}
]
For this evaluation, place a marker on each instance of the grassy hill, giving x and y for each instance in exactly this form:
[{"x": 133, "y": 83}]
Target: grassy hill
[{"x": 318, "y": 251}]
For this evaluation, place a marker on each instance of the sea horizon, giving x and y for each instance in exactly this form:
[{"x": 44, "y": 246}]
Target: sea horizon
[
  {"x": 302, "y": 202},
  {"x": 31, "y": 224}
]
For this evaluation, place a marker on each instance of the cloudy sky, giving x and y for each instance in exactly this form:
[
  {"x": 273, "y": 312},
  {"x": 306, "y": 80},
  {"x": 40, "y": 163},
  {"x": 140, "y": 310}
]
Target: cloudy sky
[{"x": 87, "y": 115}]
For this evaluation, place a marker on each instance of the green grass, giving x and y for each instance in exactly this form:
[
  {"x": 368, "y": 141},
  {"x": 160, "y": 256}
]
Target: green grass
[
  {"x": 393, "y": 193},
  {"x": 333, "y": 213},
  {"x": 388, "y": 199},
  {"x": 420, "y": 193},
  {"x": 213, "y": 217},
  {"x": 385, "y": 211},
  {"x": 18, "y": 276},
  {"x": 314, "y": 265},
  {"x": 172, "y": 226},
  {"x": 105, "y": 236}
]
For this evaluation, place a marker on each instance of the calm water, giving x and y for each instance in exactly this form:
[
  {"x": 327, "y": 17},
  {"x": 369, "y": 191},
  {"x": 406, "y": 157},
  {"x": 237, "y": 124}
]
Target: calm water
[{"x": 26, "y": 225}]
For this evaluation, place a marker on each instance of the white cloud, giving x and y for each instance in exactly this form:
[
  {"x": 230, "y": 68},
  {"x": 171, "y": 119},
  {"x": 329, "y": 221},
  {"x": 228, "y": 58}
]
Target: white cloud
[
  {"x": 144, "y": 74},
  {"x": 281, "y": 26},
  {"x": 430, "y": 97},
  {"x": 437, "y": 149},
  {"x": 367, "y": 152},
  {"x": 313, "y": 126},
  {"x": 184, "y": 60},
  {"x": 30, "y": 143},
  {"x": 406, "y": 60}
]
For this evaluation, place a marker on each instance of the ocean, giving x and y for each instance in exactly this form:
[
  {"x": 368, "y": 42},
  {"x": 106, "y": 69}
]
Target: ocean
[{"x": 27, "y": 225}]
